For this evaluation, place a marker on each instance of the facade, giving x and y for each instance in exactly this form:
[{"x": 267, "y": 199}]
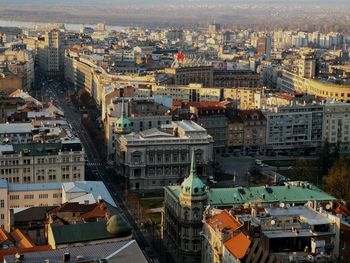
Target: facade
[
  {"x": 224, "y": 241},
  {"x": 295, "y": 127},
  {"x": 264, "y": 46},
  {"x": 214, "y": 120},
  {"x": 51, "y": 53},
  {"x": 185, "y": 75},
  {"x": 292, "y": 82},
  {"x": 42, "y": 162},
  {"x": 236, "y": 79},
  {"x": 143, "y": 114},
  {"x": 336, "y": 124},
  {"x": 182, "y": 218},
  {"x": 21, "y": 64},
  {"x": 153, "y": 158},
  {"x": 254, "y": 123},
  {"x": 247, "y": 98},
  {"x": 235, "y": 132},
  {"x": 9, "y": 81},
  {"x": 15, "y": 196},
  {"x": 182, "y": 242}
]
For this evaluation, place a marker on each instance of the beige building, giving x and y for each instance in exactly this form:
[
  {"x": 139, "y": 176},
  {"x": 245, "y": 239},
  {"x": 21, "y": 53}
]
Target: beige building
[
  {"x": 254, "y": 128},
  {"x": 42, "y": 162},
  {"x": 21, "y": 64},
  {"x": 336, "y": 124},
  {"x": 247, "y": 98},
  {"x": 235, "y": 132},
  {"x": 51, "y": 53},
  {"x": 184, "y": 75},
  {"x": 153, "y": 158},
  {"x": 16, "y": 196}
]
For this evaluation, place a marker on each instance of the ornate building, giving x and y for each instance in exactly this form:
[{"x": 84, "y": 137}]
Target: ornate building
[{"x": 183, "y": 217}]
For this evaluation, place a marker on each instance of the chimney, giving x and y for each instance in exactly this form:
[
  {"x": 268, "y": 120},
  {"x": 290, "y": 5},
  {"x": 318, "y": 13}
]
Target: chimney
[{"x": 66, "y": 257}]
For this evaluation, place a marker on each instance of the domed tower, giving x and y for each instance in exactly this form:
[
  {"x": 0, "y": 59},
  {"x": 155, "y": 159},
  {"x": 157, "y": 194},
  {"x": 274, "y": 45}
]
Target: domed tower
[
  {"x": 123, "y": 124},
  {"x": 193, "y": 199}
]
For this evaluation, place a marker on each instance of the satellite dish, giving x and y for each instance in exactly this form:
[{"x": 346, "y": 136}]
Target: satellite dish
[
  {"x": 273, "y": 222},
  {"x": 328, "y": 206},
  {"x": 287, "y": 205},
  {"x": 282, "y": 205}
]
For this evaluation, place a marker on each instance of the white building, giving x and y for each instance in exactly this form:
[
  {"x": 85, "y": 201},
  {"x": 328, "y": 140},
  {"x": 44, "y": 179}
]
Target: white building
[{"x": 153, "y": 158}]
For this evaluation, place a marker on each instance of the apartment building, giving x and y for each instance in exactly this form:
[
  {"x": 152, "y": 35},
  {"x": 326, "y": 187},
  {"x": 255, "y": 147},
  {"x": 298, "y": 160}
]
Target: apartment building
[
  {"x": 51, "y": 53},
  {"x": 15, "y": 196},
  {"x": 236, "y": 79},
  {"x": 42, "y": 162},
  {"x": 336, "y": 124},
  {"x": 295, "y": 127}
]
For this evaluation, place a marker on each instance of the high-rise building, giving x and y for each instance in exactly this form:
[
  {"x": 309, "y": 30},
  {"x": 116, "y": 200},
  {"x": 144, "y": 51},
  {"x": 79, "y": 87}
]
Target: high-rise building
[
  {"x": 101, "y": 27},
  {"x": 264, "y": 46},
  {"x": 214, "y": 28},
  {"x": 51, "y": 53}
]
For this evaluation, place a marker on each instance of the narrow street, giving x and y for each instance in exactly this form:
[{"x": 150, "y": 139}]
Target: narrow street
[{"x": 96, "y": 165}]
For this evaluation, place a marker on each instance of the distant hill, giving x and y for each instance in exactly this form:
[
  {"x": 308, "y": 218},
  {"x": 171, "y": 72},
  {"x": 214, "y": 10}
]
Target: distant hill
[{"x": 264, "y": 13}]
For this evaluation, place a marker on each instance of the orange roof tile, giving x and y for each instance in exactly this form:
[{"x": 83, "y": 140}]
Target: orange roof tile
[
  {"x": 22, "y": 241},
  {"x": 4, "y": 236},
  {"x": 224, "y": 220},
  {"x": 238, "y": 245}
]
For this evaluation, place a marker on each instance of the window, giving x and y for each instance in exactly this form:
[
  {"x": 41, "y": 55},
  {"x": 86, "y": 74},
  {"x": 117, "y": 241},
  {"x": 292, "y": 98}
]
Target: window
[
  {"x": 2, "y": 203},
  {"x": 43, "y": 196},
  {"x": 28, "y": 196},
  {"x": 2, "y": 216},
  {"x": 14, "y": 197},
  {"x": 56, "y": 195}
]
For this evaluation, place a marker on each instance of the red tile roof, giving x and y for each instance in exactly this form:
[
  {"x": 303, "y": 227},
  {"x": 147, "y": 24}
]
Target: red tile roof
[
  {"x": 224, "y": 220},
  {"x": 238, "y": 245}
]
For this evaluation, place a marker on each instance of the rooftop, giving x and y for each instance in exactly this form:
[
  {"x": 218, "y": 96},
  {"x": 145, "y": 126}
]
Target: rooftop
[
  {"x": 224, "y": 221},
  {"x": 117, "y": 251},
  {"x": 238, "y": 245},
  {"x": 291, "y": 193}
]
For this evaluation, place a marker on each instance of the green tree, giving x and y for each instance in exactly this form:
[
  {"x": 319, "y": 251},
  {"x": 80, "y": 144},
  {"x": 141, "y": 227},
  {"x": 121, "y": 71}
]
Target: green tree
[
  {"x": 303, "y": 170},
  {"x": 324, "y": 158},
  {"x": 338, "y": 179}
]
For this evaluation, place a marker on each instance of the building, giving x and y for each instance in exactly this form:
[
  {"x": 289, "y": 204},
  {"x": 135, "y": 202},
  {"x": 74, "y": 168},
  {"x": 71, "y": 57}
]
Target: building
[
  {"x": 20, "y": 196},
  {"x": 214, "y": 120},
  {"x": 182, "y": 238},
  {"x": 21, "y": 64},
  {"x": 8, "y": 80},
  {"x": 336, "y": 124},
  {"x": 28, "y": 163},
  {"x": 182, "y": 218},
  {"x": 254, "y": 123},
  {"x": 184, "y": 74},
  {"x": 51, "y": 53},
  {"x": 224, "y": 241},
  {"x": 247, "y": 98},
  {"x": 236, "y": 79},
  {"x": 264, "y": 46},
  {"x": 214, "y": 28},
  {"x": 122, "y": 251},
  {"x": 295, "y": 127},
  {"x": 153, "y": 158},
  {"x": 142, "y": 114},
  {"x": 235, "y": 131}
]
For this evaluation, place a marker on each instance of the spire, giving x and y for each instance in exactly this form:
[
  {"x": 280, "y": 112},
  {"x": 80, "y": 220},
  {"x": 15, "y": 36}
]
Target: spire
[
  {"x": 193, "y": 171},
  {"x": 123, "y": 108}
]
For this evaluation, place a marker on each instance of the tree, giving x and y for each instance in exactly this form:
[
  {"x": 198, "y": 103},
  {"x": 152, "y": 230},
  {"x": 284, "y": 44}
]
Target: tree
[
  {"x": 338, "y": 179},
  {"x": 303, "y": 170},
  {"x": 324, "y": 158}
]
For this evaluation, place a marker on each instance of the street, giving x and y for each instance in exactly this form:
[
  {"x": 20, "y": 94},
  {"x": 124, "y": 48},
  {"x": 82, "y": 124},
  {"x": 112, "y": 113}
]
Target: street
[{"x": 95, "y": 163}]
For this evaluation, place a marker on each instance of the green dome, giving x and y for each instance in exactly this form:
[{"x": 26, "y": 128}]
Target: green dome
[
  {"x": 123, "y": 124},
  {"x": 117, "y": 226},
  {"x": 192, "y": 185}
]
